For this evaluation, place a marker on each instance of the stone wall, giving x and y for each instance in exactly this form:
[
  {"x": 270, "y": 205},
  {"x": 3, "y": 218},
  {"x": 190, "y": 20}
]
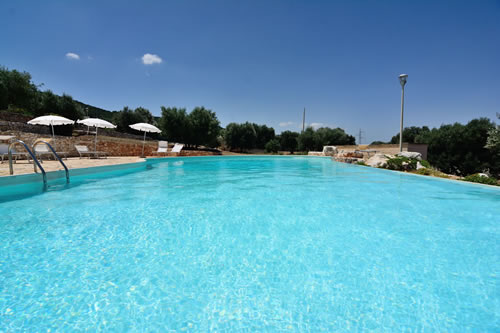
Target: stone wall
[
  {"x": 195, "y": 153},
  {"x": 14, "y": 126},
  {"x": 14, "y": 117},
  {"x": 389, "y": 149},
  {"x": 111, "y": 145}
]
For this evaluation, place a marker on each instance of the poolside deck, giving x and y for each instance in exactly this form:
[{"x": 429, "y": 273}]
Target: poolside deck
[{"x": 23, "y": 167}]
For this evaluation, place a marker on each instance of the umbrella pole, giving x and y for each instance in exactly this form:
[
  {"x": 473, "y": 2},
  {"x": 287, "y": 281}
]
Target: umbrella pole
[
  {"x": 53, "y": 136},
  {"x": 143, "y": 142},
  {"x": 95, "y": 144}
]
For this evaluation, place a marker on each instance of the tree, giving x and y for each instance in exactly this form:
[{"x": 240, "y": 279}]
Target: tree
[
  {"x": 493, "y": 141},
  {"x": 460, "y": 149},
  {"x": 411, "y": 134},
  {"x": 204, "y": 127},
  {"x": 230, "y": 135},
  {"x": 200, "y": 127},
  {"x": 17, "y": 90},
  {"x": 326, "y": 136},
  {"x": 68, "y": 108},
  {"x": 145, "y": 115},
  {"x": 240, "y": 136},
  {"x": 126, "y": 117},
  {"x": 288, "y": 141},
  {"x": 273, "y": 146},
  {"x": 264, "y": 135},
  {"x": 4, "y": 89},
  {"x": 49, "y": 104},
  {"x": 174, "y": 124},
  {"x": 306, "y": 140}
]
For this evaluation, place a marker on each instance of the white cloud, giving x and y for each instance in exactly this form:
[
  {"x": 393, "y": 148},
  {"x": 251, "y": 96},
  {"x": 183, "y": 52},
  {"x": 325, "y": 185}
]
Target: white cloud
[
  {"x": 286, "y": 123},
  {"x": 316, "y": 125},
  {"x": 72, "y": 56},
  {"x": 151, "y": 59}
]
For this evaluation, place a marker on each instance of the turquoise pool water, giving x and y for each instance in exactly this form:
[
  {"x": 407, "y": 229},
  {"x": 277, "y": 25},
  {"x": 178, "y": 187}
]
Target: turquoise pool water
[{"x": 252, "y": 244}]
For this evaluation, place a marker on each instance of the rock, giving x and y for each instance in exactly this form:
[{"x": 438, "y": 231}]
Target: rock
[
  {"x": 329, "y": 150},
  {"x": 411, "y": 154},
  {"x": 377, "y": 161},
  {"x": 315, "y": 153},
  {"x": 420, "y": 166},
  {"x": 353, "y": 154}
]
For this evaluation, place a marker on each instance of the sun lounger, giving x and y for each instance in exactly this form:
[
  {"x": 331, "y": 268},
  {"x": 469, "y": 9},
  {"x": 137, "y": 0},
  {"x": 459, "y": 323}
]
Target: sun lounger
[
  {"x": 5, "y": 141},
  {"x": 15, "y": 155},
  {"x": 84, "y": 150},
  {"x": 42, "y": 149},
  {"x": 162, "y": 147},
  {"x": 177, "y": 148}
]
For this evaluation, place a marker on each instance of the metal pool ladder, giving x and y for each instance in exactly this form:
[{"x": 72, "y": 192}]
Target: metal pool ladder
[
  {"x": 55, "y": 156},
  {"x": 35, "y": 160}
]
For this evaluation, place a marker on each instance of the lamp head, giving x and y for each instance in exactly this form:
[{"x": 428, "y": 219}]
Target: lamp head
[{"x": 402, "y": 79}]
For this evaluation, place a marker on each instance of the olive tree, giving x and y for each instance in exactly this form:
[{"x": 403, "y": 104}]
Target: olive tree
[{"x": 288, "y": 141}]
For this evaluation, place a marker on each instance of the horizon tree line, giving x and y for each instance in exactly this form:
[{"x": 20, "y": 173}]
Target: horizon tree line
[{"x": 453, "y": 148}]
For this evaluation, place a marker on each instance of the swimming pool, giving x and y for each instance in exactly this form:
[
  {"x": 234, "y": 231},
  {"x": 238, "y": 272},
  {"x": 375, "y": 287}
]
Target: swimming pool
[{"x": 252, "y": 244}]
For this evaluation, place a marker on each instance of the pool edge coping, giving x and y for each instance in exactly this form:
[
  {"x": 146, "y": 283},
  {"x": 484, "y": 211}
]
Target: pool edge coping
[
  {"x": 457, "y": 181},
  {"x": 12, "y": 180},
  {"x": 27, "y": 178}
]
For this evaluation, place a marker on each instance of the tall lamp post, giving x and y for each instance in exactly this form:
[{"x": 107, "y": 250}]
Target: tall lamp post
[{"x": 402, "y": 80}]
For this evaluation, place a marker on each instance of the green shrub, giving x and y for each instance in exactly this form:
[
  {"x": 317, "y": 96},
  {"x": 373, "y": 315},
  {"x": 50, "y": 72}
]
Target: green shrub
[
  {"x": 361, "y": 163},
  {"x": 456, "y": 148},
  {"x": 273, "y": 146},
  {"x": 402, "y": 163},
  {"x": 425, "y": 164},
  {"x": 22, "y": 111},
  {"x": 476, "y": 178}
]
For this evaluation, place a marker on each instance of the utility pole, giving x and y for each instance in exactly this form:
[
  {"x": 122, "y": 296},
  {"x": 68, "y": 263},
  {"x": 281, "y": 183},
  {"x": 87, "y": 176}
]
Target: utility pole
[
  {"x": 402, "y": 80},
  {"x": 360, "y": 136},
  {"x": 303, "y": 120}
]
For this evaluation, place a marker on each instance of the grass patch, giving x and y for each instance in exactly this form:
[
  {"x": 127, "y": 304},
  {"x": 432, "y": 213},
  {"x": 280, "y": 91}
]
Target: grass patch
[
  {"x": 431, "y": 172},
  {"x": 476, "y": 178}
]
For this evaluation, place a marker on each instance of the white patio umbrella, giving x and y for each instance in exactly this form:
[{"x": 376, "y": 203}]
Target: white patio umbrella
[
  {"x": 146, "y": 128},
  {"x": 97, "y": 123},
  {"x": 51, "y": 121}
]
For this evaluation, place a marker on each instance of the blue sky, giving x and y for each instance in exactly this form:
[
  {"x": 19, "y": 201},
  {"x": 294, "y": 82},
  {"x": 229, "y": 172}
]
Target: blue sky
[{"x": 264, "y": 61}]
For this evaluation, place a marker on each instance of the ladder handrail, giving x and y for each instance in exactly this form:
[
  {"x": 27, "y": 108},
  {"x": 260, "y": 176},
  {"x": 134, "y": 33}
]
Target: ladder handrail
[
  {"x": 55, "y": 155},
  {"x": 35, "y": 160}
]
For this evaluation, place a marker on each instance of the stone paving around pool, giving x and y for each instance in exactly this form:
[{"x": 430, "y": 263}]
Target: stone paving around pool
[{"x": 23, "y": 167}]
